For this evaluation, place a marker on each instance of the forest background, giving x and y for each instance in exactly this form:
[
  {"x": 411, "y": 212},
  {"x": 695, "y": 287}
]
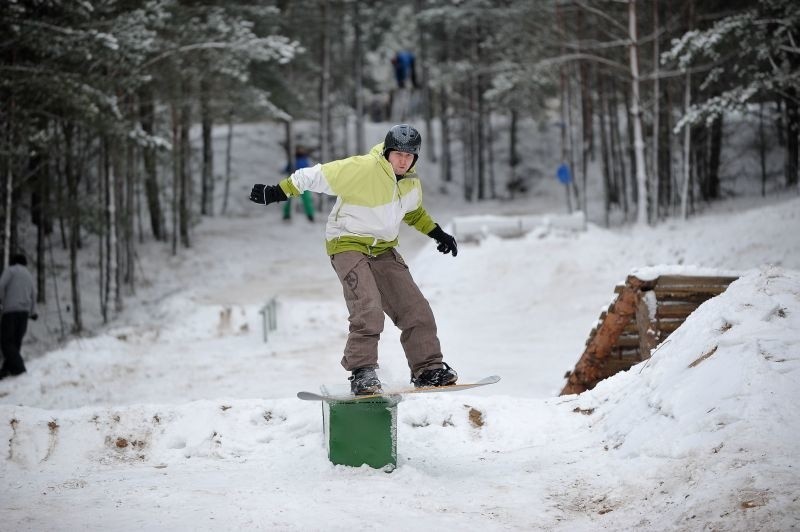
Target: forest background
[{"x": 109, "y": 110}]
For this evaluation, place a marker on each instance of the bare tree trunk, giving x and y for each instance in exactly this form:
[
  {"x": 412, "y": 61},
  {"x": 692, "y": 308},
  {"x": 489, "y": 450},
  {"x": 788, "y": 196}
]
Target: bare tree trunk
[
  {"x": 587, "y": 139},
  {"x": 130, "y": 196},
  {"x": 480, "y": 137},
  {"x": 687, "y": 148},
  {"x": 102, "y": 232},
  {"x": 566, "y": 145},
  {"x": 176, "y": 173},
  {"x": 762, "y": 149},
  {"x": 207, "y": 173},
  {"x": 636, "y": 111},
  {"x": 228, "y": 148},
  {"x": 74, "y": 228},
  {"x": 8, "y": 140},
  {"x": 687, "y": 133},
  {"x": 290, "y": 147},
  {"x": 604, "y": 152},
  {"x": 573, "y": 165},
  {"x": 359, "y": 78},
  {"x": 655, "y": 179},
  {"x": 567, "y": 156},
  {"x": 621, "y": 181},
  {"x": 669, "y": 172},
  {"x": 185, "y": 167},
  {"x": 714, "y": 158},
  {"x": 426, "y": 92},
  {"x": 8, "y": 210},
  {"x": 490, "y": 155},
  {"x": 792, "y": 132},
  {"x": 113, "y": 225},
  {"x": 446, "y": 161},
  {"x": 324, "y": 104},
  {"x": 324, "y": 96},
  {"x": 513, "y": 152},
  {"x": 147, "y": 119},
  {"x": 9, "y": 162},
  {"x": 40, "y": 208}
]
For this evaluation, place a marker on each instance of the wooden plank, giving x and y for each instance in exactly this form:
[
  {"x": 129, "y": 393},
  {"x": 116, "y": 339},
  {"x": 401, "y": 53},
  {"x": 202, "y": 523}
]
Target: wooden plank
[
  {"x": 628, "y": 340},
  {"x": 669, "y": 326},
  {"x": 689, "y": 293},
  {"x": 675, "y": 309},
  {"x": 693, "y": 280}
]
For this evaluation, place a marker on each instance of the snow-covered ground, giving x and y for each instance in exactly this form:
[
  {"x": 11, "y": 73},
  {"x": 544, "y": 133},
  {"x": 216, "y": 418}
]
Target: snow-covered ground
[{"x": 180, "y": 417}]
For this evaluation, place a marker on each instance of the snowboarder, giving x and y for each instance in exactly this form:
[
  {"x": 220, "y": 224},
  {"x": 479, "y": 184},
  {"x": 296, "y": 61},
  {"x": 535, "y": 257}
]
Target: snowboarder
[
  {"x": 375, "y": 192},
  {"x": 18, "y": 298}
]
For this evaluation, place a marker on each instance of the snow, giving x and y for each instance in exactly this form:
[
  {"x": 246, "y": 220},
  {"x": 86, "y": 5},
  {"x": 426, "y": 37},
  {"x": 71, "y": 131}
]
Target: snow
[{"x": 178, "y": 416}]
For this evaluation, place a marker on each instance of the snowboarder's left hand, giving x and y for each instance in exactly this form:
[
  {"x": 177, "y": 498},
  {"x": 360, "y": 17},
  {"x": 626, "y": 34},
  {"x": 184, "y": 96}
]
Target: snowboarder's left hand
[
  {"x": 446, "y": 243},
  {"x": 266, "y": 194}
]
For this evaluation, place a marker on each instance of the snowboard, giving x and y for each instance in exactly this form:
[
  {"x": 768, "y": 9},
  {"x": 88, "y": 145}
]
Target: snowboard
[{"x": 325, "y": 396}]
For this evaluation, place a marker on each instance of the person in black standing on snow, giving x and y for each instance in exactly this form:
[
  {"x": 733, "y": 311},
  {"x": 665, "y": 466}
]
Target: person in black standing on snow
[{"x": 18, "y": 300}]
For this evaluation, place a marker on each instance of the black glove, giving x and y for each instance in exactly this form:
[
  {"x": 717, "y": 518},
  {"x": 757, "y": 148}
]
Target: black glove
[
  {"x": 266, "y": 194},
  {"x": 34, "y": 316},
  {"x": 446, "y": 242}
]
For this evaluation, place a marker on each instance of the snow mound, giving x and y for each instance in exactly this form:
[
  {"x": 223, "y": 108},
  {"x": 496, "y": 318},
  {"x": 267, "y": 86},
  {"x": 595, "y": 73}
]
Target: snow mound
[
  {"x": 153, "y": 434},
  {"x": 717, "y": 399}
]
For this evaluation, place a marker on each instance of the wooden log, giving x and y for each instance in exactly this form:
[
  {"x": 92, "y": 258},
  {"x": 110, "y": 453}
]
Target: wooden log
[
  {"x": 666, "y": 327},
  {"x": 693, "y": 280},
  {"x": 678, "y": 293},
  {"x": 628, "y": 340},
  {"x": 588, "y": 370}
]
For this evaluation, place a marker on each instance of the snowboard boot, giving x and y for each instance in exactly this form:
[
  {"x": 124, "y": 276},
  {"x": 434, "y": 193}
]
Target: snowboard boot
[
  {"x": 364, "y": 381},
  {"x": 443, "y": 376}
]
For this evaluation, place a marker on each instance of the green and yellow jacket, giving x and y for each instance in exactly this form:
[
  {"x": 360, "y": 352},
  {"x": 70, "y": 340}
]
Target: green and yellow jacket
[{"x": 371, "y": 201}]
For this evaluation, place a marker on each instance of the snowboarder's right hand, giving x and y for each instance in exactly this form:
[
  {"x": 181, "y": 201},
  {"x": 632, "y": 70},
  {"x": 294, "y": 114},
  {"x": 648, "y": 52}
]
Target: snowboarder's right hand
[
  {"x": 445, "y": 243},
  {"x": 266, "y": 194}
]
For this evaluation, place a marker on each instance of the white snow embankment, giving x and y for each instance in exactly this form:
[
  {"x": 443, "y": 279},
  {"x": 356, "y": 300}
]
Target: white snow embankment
[
  {"x": 156, "y": 435},
  {"x": 711, "y": 421}
]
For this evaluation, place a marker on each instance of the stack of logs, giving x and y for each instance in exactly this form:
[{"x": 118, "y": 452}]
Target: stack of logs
[{"x": 643, "y": 314}]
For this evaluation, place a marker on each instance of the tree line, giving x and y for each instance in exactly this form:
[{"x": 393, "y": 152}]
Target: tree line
[{"x": 98, "y": 99}]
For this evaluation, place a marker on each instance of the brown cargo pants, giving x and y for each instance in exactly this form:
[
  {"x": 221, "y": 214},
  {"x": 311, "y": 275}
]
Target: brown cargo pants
[{"x": 377, "y": 285}]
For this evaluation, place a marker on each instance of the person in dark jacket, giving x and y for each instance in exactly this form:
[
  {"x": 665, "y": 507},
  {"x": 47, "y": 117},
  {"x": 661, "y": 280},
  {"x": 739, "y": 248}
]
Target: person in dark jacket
[
  {"x": 405, "y": 68},
  {"x": 18, "y": 300}
]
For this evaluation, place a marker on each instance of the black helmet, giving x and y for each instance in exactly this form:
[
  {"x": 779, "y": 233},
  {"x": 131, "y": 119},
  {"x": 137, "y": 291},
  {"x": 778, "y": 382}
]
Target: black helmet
[{"x": 402, "y": 138}]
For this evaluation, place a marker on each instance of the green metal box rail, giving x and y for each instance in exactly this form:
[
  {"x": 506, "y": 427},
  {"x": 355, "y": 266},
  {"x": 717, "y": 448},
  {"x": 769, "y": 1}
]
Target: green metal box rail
[{"x": 361, "y": 432}]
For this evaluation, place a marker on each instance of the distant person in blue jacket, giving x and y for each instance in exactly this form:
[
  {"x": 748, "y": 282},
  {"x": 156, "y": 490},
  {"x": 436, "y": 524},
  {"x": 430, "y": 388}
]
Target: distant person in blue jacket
[
  {"x": 301, "y": 160},
  {"x": 404, "y": 68},
  {"x": 18, "y": 299}
]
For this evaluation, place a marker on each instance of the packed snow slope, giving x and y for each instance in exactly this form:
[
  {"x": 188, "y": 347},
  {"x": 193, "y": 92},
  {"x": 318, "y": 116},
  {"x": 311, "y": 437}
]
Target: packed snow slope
[{"x": 180, "y": 417}]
